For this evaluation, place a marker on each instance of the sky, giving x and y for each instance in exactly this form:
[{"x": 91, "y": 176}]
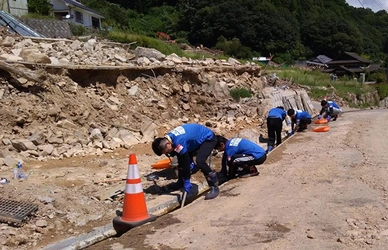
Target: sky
[{"x": 375, "y": 5}]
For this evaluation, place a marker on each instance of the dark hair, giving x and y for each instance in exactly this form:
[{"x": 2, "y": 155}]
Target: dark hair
[
  {"x": 220, "y": 139},
  {"x": 156, "y": 146},
  {"x": 280, "y": 107},
  {"x": 323, "y": 103},
  {"x": 290, "y": 112}
]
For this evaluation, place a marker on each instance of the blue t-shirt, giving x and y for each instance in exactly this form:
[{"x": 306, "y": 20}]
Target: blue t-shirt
[
  {"x": 333, "y": 104},
  {"x": 277, "y": 113},
  {"x": 188, "y": 137},
  {"x": 242, "y": 146},
  {"x": 329, "y": 108},
  {"x": 299, "y": 114}
]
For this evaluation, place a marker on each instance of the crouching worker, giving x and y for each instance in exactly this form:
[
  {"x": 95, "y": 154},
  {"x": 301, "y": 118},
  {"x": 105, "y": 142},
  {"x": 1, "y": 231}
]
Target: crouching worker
[
  {"x": 299, "y": 120},
  {"x": 329, "y": 110},
  {"x": 240, "y": 156},
  {"x": 182, "y": 142}
]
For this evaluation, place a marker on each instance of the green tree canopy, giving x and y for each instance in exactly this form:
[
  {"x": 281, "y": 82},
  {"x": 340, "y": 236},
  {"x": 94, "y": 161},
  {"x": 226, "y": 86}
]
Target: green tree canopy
[{"x": 41, "y": 7}]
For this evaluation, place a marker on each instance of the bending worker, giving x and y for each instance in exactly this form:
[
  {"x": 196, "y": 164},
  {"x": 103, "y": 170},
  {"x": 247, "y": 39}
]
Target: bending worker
[
  {"x": 275, "y": 120},
  {"x": 330, "y": 109},
  {"x": 182, "y": 142}
]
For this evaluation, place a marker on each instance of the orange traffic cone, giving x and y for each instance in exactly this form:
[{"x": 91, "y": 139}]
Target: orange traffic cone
[{"x": 135, "y": 211}]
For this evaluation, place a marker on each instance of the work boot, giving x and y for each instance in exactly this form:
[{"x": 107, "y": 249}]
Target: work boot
[
  {"x": 251, "y": 171},
  {"x": 212, "y": 181},
  {"x": 222, "y": 178}
]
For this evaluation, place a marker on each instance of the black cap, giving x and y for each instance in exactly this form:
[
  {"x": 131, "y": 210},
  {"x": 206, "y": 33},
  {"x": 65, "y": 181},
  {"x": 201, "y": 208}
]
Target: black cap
[
  {"x": 290, "y": 112},
  {"x": 323, "y": 103},
  {"x": 156, "y": 146}
]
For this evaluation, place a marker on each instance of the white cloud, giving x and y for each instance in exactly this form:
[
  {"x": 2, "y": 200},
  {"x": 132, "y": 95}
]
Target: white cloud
[{"x": 375, "y": 5}]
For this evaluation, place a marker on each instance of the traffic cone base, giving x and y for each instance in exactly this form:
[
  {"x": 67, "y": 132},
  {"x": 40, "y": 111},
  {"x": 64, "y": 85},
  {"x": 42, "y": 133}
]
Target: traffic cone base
[
  {"x": 122, "y": 226},
  {"x": 135, "y": 211}
]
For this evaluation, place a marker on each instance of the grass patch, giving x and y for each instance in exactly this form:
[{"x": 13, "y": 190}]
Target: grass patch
[
  {"x": 320, "y": 85},
  {"x": 239, "y": 93}
]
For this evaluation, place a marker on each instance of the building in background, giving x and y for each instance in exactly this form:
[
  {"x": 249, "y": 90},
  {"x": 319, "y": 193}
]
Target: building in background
[
  {"x": 14, "y": 7},
  {"x": 77, "y": 13}
]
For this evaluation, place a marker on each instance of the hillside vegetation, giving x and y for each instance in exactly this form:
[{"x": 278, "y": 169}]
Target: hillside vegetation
[{"x": 292, "y": 30}]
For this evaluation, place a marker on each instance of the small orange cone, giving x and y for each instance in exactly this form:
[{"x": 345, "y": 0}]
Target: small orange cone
[
  {"x": 135, "y": 211},
  {"x": 321, "y": 121},
  {"x": 322, "y": 129},
  {"x": 162, "y": 164}
]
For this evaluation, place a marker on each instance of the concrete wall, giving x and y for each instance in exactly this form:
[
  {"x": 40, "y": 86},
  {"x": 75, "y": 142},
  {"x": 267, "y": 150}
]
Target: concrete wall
[
  {"x": 14, "y": 7},
  {"x": 296, "y": 99},
  {"x": 48, "y": 28}
]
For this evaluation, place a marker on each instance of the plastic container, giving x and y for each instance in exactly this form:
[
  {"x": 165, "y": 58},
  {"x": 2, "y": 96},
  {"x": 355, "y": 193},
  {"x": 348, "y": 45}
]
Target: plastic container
[
  {"x": 4, "y": 181},
  {"x": 20, "y": 174},
  {"x": 15, "y": 172}
]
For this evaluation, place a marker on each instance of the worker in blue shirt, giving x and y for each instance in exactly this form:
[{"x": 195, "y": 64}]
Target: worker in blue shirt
[
  {"x": 240, "y": 156},
  {"x": 275, "y": 120},
  {"x": 329, "y": 110},
  {"x": 183, "y": 142},
  {"x": 299, "y": 120}
]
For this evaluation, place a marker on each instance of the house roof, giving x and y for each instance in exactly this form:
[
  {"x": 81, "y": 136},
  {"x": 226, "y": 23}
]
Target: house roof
[
  {"x": 353, "y": 70},
  {"x": 357, "y": 57},
  {"x": 319, "y": 60},
  {"x": 349, "y": 58},
  {"x": 7, "y": 20},
  {"x": 323, "y": 59},
  {"x": 373, "y": 67},
  {"x": 346, "y": 62},
  {"x": 81, "y": 6},
  {"x": 370, "y": 68}
]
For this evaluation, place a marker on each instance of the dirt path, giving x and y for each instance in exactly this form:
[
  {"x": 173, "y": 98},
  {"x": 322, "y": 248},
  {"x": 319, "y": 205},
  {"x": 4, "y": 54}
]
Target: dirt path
[{"x": 323, "y": 191}]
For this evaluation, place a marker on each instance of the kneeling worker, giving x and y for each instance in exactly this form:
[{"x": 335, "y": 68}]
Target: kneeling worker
[
  {"x": 330, "y": 109},
  {"x": 241, "y": 156},
  {"x": 299, "y": 120}
]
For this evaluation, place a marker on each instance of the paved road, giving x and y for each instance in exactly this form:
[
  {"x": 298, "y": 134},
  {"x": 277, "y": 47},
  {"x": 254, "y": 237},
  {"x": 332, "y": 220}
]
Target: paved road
[{"x": 317, "y": 191}]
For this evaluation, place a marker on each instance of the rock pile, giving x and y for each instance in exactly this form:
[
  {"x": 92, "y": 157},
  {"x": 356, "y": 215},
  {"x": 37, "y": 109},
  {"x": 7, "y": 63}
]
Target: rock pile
[{"x": 64, "y": 118}]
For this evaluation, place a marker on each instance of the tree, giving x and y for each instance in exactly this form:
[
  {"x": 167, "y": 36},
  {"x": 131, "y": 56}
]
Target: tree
[{"x": 41, "y": 7}]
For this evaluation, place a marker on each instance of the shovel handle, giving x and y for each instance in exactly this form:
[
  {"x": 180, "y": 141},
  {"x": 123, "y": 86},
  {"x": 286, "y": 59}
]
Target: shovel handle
[{"x": 184, "y": 199}]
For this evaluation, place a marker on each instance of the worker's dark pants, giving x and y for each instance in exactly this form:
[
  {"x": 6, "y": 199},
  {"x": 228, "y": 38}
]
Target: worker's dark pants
[
  {"x": 203, "y": 152},
  {"x": 303, "y": 123},
  {"x": 243, "y": 161},
  {"x": 274, "y": 126}
]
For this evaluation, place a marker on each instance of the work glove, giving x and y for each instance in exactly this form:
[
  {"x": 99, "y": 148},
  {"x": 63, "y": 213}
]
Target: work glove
[
  {"x": 319, "y": 117},
  {"x": 187, "y": 185},
  {"x": 269, "y": 149},
  {"x": 192, "y": 165},
  {"x": 328, "y": 118}
]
